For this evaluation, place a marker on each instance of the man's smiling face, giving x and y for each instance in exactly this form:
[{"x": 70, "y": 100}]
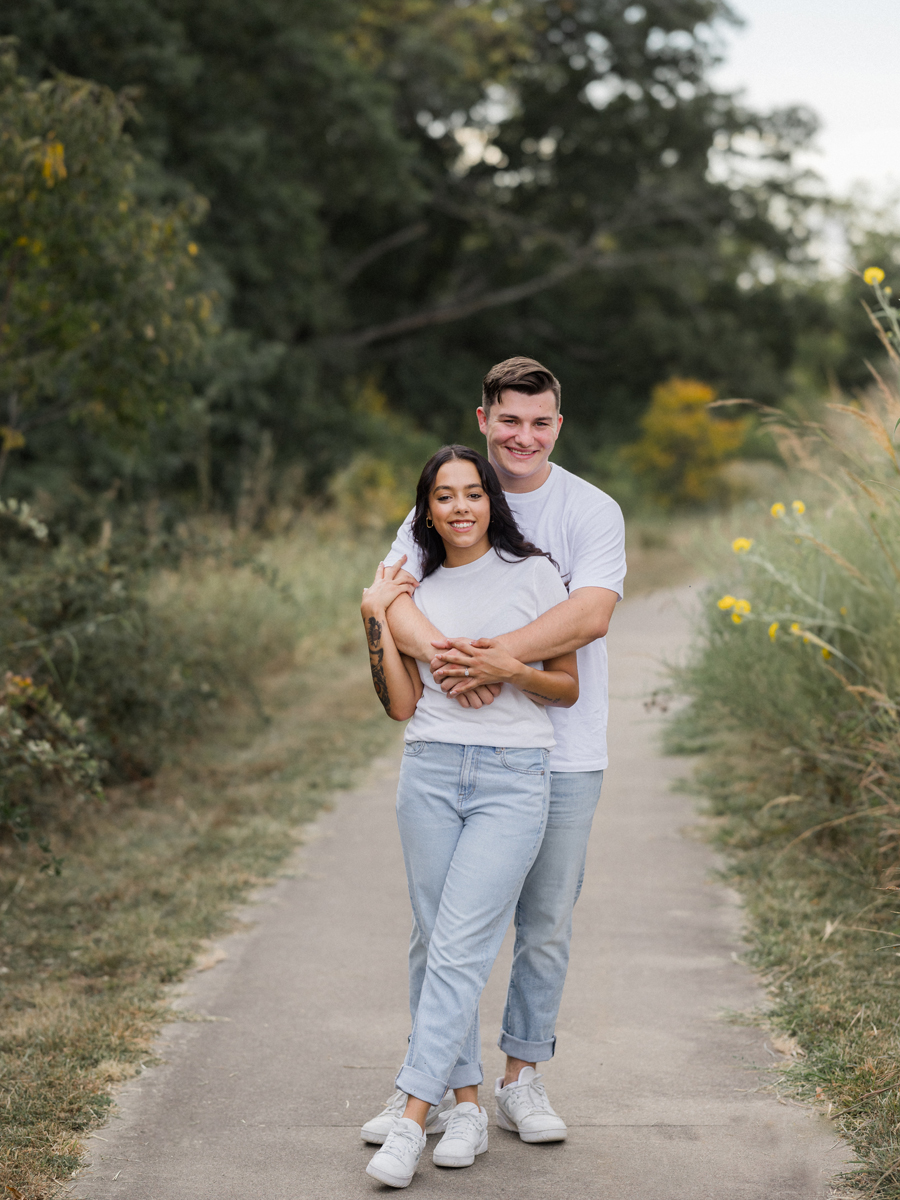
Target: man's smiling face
[{"x": 521, "y": 431}]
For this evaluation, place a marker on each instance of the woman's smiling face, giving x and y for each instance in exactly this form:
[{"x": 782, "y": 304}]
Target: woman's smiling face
[{"x": 461, "y": 511}]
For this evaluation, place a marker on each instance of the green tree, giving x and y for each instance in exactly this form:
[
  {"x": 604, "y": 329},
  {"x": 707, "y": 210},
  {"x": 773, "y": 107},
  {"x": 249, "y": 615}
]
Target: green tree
[
  {"x": 102, "y": 317},
  {"x": 408, "y": 190}
]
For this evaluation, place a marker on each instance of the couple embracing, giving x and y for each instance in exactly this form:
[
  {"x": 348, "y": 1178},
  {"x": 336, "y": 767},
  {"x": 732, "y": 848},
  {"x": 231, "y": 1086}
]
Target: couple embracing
[{"x": 486, "y": 631}]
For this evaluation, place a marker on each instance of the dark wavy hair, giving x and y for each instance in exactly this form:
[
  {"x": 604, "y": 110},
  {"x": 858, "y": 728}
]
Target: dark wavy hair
[{"x": 503, "y": 532}]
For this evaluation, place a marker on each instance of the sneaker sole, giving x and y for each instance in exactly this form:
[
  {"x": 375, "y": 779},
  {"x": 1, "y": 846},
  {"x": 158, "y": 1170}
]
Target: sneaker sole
[
  {"x": 535, "y": 1136},
  {"x": 447, "y": 1161},
  {"x": 396, "y": 1181}
]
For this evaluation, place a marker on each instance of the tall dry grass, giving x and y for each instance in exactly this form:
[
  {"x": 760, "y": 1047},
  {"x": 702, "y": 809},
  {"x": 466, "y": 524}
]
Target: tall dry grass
[{"x": 795, "y": 694}]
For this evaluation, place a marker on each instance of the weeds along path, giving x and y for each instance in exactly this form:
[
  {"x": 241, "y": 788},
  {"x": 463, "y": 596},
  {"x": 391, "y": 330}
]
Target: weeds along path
[{"x": 294, "y": 1038}]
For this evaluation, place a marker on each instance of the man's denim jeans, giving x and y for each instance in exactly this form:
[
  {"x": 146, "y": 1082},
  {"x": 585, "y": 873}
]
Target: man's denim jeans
[
  {"x": 543, "y": 922},
  {"x": 471, "y": 822}
]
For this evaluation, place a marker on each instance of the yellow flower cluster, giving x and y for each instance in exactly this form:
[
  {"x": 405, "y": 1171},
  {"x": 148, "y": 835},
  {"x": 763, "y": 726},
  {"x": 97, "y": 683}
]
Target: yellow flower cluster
[
  {"x": 778, "y": 510},
  {"x": 741, "y": 545},
  {"x": 740, "y": 607},
  {"x": 873, "y": 275}
]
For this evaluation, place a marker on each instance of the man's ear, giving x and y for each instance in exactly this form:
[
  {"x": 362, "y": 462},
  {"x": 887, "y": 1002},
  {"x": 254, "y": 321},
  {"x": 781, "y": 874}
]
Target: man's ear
[{"x": 482, "y": 419}]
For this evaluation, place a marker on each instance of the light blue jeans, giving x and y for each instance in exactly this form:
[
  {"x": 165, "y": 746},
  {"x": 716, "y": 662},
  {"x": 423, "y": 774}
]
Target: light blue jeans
[
  {"x": 471, "y": 821},
  {"x": 543, "y": 919}
]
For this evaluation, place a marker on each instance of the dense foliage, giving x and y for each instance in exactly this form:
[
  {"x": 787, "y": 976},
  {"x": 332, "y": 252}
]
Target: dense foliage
[
  {"x": 404, "y": 192},
  {"x": 104, "y": 319}
]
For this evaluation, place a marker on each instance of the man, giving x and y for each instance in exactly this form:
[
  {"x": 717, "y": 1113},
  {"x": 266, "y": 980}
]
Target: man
[{"x": 582, "y": 529}]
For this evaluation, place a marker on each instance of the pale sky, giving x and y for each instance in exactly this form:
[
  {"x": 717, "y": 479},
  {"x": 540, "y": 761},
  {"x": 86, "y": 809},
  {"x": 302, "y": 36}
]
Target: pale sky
[{"x": 837, "y": 56}]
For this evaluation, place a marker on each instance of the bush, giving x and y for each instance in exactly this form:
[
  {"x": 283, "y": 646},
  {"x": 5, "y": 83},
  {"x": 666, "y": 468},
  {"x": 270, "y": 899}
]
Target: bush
[
  {"x": 682, "y": 447},
  {"x": 795, "y": 687},
  {"x": 40, "y": 746}
]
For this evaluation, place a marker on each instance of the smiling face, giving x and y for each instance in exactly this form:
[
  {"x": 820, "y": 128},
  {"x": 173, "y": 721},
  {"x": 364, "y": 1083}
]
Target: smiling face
[
  {"x": 461, "y": 511},
  {"x": 521, "y": 432}
]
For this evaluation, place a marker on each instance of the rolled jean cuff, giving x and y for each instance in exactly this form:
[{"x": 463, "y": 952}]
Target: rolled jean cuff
[
  {"x": 422, "y": 1086},
  {"x": 466, "y": 1075},
  {"x": 526, "y": 1051}
]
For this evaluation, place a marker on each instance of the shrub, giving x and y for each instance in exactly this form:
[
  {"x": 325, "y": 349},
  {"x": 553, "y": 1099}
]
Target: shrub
[
  {"x": 40, "y": 746},
  {"x": 801, "y": 650},
  {"x": 683, "y": 447}
]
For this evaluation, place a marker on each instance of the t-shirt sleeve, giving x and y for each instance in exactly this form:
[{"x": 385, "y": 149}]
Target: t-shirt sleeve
[
  {"x": 404, "y": 543},
  {"x": 549, "y": 589},
  {"x": 597, "y": 547}
]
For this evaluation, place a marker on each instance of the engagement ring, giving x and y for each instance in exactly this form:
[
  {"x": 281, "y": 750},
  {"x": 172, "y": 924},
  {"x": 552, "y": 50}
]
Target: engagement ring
[{"x": 467, "y": 672}]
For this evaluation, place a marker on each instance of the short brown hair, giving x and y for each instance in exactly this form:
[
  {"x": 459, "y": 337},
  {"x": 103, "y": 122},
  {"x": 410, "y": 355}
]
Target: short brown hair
[{"x": 522, "y": 375}]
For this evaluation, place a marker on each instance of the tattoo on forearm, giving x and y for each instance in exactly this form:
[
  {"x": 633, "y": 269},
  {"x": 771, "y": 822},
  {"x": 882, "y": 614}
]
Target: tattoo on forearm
[
  {"x": 381, "y": 687},
  {"x": 376, "y": 662},
  {"x": 549, "y": 699}
]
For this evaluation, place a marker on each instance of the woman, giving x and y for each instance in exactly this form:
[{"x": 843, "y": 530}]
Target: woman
[{"x": 474, "y": 785}]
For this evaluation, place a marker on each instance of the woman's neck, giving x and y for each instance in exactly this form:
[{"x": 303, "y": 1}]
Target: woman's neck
[{"x": 461, "y": 556}]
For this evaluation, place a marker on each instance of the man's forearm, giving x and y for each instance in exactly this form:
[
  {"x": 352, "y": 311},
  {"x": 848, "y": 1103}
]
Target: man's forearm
[
  {"x": 581, "y": 619},
  {"x": 411, "y": 630}
]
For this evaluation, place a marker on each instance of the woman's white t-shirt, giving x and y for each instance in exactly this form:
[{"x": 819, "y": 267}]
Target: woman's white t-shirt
[
  {"x": 484, "y": 599},
  {"x": 583, "y": 529}
]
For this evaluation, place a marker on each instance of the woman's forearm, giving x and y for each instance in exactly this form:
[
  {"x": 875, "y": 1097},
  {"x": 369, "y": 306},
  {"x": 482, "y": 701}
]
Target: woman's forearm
[
  {"x": 556, "y": 689},
  {"x": 393, "y": 685}
]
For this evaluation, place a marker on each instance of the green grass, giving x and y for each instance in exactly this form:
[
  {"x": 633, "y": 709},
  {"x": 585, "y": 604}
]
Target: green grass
[
  {"x": 801, "y": 731},
  {"x": 151, "y": 873},
  {"x": 825, "y": 935}
]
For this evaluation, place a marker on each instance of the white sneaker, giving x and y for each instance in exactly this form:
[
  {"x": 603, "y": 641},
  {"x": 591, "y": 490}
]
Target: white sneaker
[
  {"x": 395, "y": 1163},
  {"x": 523, "y": 1108},
  {"x": 376, "y": 1130},
  {"x": 466, "y": 1136}
]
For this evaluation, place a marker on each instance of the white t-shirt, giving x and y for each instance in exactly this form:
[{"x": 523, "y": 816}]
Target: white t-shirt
[
  {"x": 583, "y": 529},
  {"x": 483, "y": 599}
]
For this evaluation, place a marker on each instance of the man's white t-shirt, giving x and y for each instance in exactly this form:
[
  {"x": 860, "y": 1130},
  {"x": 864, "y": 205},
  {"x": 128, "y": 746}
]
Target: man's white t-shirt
[
  {"x": 583, "y": 529},
  {"x": 483, "y": 599}
]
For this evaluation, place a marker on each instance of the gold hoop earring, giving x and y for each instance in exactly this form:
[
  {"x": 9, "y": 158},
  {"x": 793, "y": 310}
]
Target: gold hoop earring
[{"x": 429, "y": 522}]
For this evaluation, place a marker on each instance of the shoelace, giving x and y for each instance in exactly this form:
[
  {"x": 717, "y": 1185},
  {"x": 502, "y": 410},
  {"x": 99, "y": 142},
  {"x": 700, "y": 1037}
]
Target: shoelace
[
  {"x": 397, "y": 1101},
  {"x": 459, "y": 1118},
  {"x": 536, "y": 1095},
  {"x": 399, "y": 1134}
]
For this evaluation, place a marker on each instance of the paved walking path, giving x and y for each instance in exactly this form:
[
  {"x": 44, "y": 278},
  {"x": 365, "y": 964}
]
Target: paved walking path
[{"x": 310, "y": 1022}]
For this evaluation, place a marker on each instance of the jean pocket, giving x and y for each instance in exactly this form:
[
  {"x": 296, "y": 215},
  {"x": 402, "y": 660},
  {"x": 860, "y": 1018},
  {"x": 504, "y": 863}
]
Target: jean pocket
[
  {"x": 525, "y": 762},
  {"x": 413, "y": 748}
]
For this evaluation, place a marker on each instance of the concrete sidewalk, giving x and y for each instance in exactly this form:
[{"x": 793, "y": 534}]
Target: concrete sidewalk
[{"x": 307, "y": 1017}]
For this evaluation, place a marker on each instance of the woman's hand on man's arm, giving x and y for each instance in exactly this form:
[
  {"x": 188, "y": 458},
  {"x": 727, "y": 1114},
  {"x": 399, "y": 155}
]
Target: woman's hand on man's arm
[{"x": 556, "y": 685}]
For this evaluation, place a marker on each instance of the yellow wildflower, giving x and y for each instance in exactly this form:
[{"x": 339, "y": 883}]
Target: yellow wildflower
[
  {"x": 53, "y": 166},
  {"x": 843, "y": 610},
  {"x": 799, "y": 507},
  {"x": 777, "y": 510},
  {"x": 741, "y": 545},
  {"x": 726, "y": 602},
  {"x": 889, "y": 291},
  {"x": 873, "y": 275},
  {"x": 795, "y": 626},
  {"x": 193, "y": 249},
  {"x": 773, "y": 629},
  {"x": 826, "y": 653},
  {"x": 742, "y": 606},
  {"x": 737, "y": 618}
]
